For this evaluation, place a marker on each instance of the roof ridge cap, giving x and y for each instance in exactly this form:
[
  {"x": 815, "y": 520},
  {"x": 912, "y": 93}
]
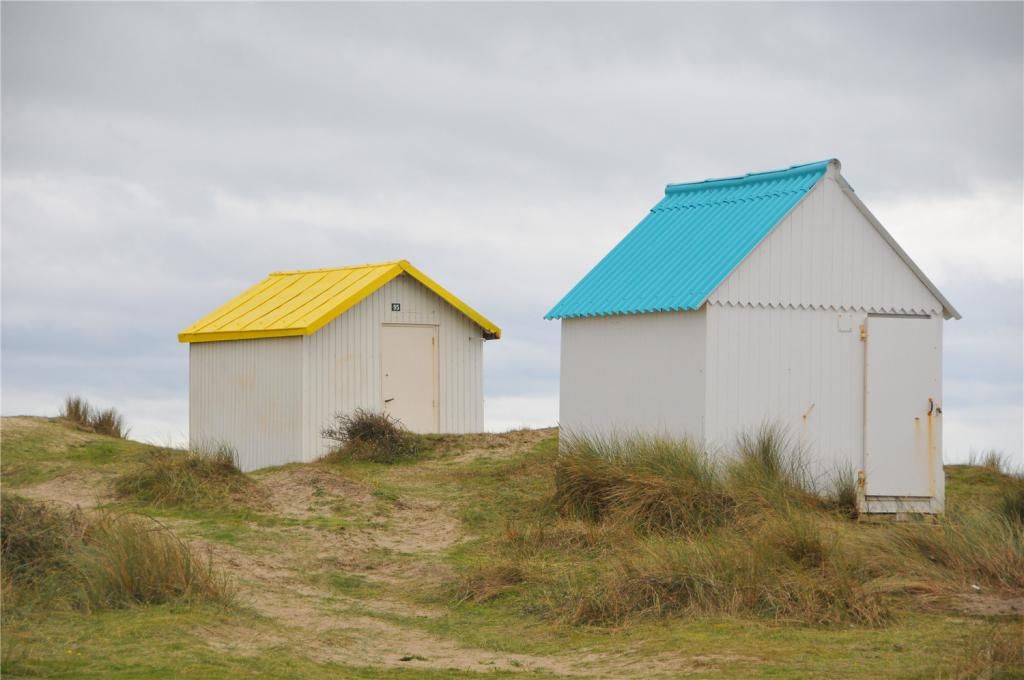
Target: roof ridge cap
[
  {"x": 750, "y": 176},
  {"x": 336, "y": 269}
]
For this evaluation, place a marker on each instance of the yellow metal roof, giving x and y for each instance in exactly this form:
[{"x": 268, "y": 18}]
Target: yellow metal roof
[{"x": 303, "y": 302}]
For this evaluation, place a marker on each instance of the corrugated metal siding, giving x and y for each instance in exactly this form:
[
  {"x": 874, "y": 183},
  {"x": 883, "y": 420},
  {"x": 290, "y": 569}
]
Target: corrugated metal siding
[
  {"x": 826, "y": 255},
  {"x": 688, "y": 244},
  {"x": 248, "y": 394},
  {"x": 341, "y": 362},
  {"x": 780, "y": 365},
  {"x": 628, "y": 374}
]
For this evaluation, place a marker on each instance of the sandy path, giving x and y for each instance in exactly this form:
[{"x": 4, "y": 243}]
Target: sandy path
[
  {"x": 334, "y": 627},
  {"x": 284, "y": 579},
  {"x": 86, "y": 490}
]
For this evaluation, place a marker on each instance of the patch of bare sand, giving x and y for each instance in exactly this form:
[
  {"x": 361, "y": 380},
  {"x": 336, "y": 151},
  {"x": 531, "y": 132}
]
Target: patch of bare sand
[
  {"x": 333, "y": 627},
  {"x": 82, "y": 489},
  {"x": 408, "y": 526},
  {"x": 417, "y": 525},
  {"x": 302, "y": 492},
  {"x": 994, "y": 604}
]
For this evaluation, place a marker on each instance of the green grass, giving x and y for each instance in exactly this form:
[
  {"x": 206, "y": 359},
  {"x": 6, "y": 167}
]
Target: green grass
[
  {"x": 518, "y": 509},
  {"x": 503, "y": 504},
  {"x": 242, "y": 527},
  {"x": 639, "y": 528},
  {"x": 188, "y": 479},
  {"x": 55, "y": 558},
  {"x": 920, "y": 645},
  {"x": 974, "y": 485},
  {"x": 163, "y": 642},
  {"x": 35, "y": 454}
]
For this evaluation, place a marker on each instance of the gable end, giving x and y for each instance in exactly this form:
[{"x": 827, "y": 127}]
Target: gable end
[{"x": 830, "y": 252}]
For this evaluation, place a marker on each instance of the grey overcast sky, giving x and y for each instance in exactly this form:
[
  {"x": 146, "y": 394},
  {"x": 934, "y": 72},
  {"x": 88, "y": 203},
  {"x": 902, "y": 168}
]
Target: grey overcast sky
[{"x": 160, "y": 158}]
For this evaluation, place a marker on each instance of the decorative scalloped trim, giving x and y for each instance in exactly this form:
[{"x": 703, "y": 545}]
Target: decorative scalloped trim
[{"x": 826, "y": 308}]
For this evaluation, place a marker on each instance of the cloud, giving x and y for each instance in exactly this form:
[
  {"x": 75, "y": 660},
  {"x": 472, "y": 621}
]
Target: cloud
[
  {"x": 974, "y": 236},
  {"x": 159, "y": 158}
]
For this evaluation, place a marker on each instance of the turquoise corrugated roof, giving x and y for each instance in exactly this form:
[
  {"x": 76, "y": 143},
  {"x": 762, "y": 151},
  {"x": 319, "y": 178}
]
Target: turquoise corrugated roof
[{"x": 689, "y": 242}]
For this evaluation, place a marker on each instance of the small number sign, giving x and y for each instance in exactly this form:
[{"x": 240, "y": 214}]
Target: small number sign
[{"x": 396, "y": 306}]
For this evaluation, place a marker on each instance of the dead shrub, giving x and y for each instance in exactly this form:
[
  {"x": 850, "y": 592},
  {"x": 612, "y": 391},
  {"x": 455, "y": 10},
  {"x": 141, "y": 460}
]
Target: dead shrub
[{"x": 369, "y": 436}]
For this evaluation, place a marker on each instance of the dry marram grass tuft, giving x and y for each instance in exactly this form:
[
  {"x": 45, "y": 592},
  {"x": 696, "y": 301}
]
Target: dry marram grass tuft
[
  {"x": 106, "y": 422},
  {"x": 202, "y": 477},
  {"x": 101, "y": 561},
  {"x": 647, "y": 527}
]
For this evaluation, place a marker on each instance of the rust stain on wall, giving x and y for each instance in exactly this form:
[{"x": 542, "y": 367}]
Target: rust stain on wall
[{"x": 931, "y": 453}]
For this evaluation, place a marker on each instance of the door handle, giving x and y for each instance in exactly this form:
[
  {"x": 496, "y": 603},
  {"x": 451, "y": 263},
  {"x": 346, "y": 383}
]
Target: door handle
[{"x": 389, "y": 400}]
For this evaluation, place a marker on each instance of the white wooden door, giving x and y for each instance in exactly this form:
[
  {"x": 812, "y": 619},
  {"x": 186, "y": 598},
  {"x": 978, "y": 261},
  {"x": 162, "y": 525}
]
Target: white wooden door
[
  {"x": 409, "y": 375},
  {"x": 902, "y": 421}
]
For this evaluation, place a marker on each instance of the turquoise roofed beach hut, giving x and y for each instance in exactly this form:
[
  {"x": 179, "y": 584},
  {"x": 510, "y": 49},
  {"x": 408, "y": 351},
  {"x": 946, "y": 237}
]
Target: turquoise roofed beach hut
[{"x": 771, "y": 297}]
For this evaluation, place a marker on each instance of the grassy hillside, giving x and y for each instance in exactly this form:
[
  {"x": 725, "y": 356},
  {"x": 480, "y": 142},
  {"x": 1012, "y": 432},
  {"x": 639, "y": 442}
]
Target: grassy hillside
[{"x": 448, "y": 565}]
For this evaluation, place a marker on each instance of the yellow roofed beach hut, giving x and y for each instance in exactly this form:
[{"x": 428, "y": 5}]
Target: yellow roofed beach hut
[{"x": 270, "y": 368}]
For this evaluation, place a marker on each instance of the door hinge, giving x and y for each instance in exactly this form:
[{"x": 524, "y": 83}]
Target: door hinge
[{"x": 863, "y": 331}]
